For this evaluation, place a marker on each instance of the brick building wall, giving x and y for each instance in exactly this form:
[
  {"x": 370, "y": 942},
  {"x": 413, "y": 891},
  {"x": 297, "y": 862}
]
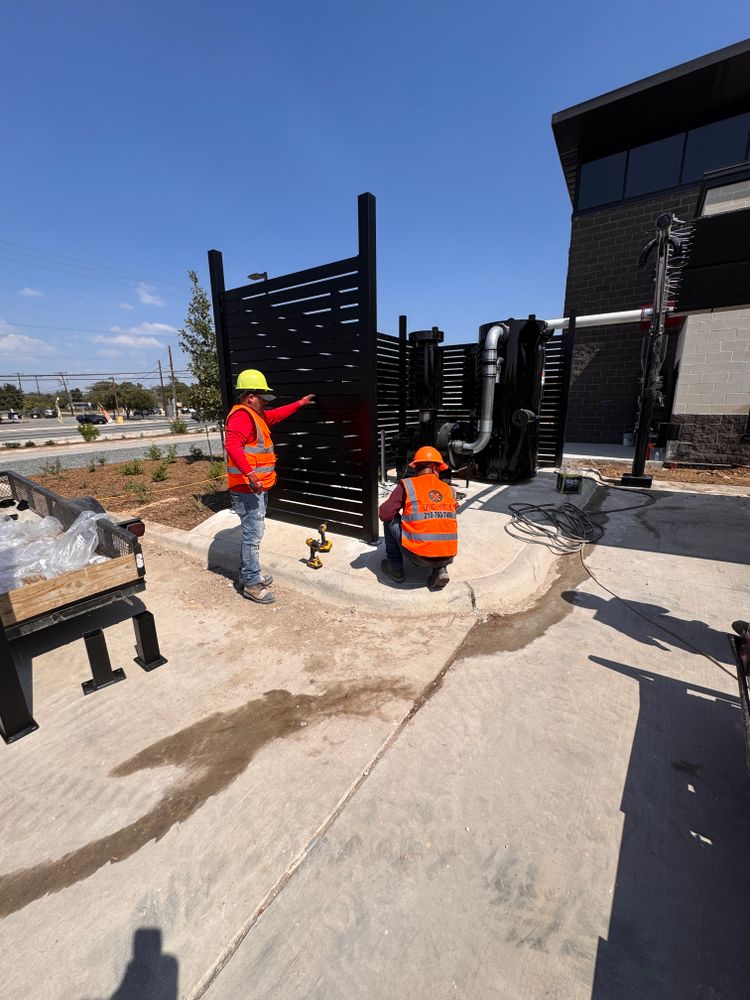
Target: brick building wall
[
  {"x": 713, "y": 393},
  {"x": 603, "y": 276}
]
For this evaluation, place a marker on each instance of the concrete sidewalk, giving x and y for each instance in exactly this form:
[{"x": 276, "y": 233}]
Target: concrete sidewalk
[{"x": 492, "y": 572}]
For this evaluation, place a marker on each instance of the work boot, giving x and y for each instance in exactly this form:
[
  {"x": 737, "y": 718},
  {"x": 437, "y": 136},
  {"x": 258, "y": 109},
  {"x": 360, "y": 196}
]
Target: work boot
[
  {"x": 742, "y": 628},
  {"x": 393, "y": 571},
  {"x": 266, "y": 579},
  {"x": 438, "y": 578},
  {"x": 258, "y": 592}
]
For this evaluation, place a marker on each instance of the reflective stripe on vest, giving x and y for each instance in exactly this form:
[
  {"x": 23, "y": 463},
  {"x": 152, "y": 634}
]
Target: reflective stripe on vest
[
  {"x": 428, "y": 523},
  {"x": 260, "y": 456}
]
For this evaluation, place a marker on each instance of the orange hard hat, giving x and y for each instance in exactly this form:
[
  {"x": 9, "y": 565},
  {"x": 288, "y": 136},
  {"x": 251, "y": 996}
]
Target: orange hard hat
[{"x": 428, "y": 454}]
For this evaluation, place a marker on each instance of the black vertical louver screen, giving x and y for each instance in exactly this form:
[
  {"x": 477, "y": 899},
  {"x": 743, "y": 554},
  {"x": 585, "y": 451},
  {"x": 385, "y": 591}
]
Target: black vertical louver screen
[{"x": 313, "y": 332}]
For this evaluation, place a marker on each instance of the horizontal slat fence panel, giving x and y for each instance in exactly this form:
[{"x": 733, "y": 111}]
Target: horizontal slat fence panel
[
  {"x": 552, "y": 400},
  {"x": 313, "y": 331}
]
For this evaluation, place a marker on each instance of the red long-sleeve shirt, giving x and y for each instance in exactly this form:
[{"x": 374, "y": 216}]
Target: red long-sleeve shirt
[{"x": 240, "y": 430}]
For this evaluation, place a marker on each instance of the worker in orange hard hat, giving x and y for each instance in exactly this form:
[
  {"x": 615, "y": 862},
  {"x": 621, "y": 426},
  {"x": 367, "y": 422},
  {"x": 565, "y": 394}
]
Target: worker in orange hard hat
[
  {"x": 419, "y": 521},
  {"x": 251, "y": 472}
]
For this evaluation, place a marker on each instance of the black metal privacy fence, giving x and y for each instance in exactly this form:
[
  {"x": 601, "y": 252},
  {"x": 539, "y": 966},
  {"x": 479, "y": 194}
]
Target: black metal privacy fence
[
  {"x": 313, "y": 332},
  {"x": 459, "y": 385}
]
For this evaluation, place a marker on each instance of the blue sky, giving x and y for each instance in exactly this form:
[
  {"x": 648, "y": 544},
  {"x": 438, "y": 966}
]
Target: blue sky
[{"x": 137, "y": 135}]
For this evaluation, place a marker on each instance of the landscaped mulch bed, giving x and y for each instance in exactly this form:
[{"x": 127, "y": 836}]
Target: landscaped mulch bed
[
  {"x": 738, "y": 476},
  {"x": 189, "y": 494}
]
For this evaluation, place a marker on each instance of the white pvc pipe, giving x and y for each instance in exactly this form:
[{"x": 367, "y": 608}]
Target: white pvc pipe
[{"x": 602, "y": 319}]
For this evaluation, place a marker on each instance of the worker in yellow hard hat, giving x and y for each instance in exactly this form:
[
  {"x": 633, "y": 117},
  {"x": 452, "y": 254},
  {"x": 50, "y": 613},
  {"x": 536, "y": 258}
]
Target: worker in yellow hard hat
[
  {"x": 419, "y": 521},
  {"x": 251, "y": 472}
]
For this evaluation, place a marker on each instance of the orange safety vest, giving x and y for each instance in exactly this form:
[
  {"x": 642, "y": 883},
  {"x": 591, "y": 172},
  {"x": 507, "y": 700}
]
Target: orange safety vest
[
  {"x": 428, "y": 522},
  {"x": 260, "y": 456}
]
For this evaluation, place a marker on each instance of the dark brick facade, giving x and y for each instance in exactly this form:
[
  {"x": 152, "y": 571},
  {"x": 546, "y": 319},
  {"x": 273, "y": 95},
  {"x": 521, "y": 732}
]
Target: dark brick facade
[
  {"x": 708, "y": 438},
  {"x": 603, "y": 276}
]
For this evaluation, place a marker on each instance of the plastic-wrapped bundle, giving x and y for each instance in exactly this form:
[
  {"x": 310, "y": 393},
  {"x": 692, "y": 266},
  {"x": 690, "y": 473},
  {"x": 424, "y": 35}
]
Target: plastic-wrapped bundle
[{"x": 43, "y": 549}]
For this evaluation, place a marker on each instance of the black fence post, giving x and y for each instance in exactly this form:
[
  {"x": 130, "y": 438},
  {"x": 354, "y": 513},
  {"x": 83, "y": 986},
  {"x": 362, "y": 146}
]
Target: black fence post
[
  {"x": 102, "y": 674},
  {"x": 368, "y": 319},
  {"x": 15, "y": 718},
  {"x": 147, "y": 642},
  {"x": 402, "y": 375},
  {"x": 216, "y": 274},
  {"x": 568, "y": 340}
]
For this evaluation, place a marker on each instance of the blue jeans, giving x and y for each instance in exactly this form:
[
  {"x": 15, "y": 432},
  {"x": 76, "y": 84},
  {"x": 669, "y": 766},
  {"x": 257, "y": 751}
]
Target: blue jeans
[{"x": 251, "y": 509}]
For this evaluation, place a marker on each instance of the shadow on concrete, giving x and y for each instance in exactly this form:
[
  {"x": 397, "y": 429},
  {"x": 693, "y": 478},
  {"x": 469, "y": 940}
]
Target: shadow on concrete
[
  {"x": 150, "y": 974},
  {"x": 416, "y": 576},
  {"x": 697, "y": 525},
  {"x": 687, "y": 635},
  {"x": 678, "y": 925},
  {"x": 28, "y": 647}
]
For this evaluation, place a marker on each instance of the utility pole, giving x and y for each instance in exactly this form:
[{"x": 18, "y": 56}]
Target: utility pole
[
  {"x": 38, "y": 390},
  {"x": 67, "y": 391},
  {"x": 163, "y": 393},
  {"x": 18, "y": 376},
  {"x": 174, "y": 387}
]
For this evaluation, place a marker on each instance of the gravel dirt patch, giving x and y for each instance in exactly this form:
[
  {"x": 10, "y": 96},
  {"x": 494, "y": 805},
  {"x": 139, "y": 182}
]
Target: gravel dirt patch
[{"x": 188, "y": 496}]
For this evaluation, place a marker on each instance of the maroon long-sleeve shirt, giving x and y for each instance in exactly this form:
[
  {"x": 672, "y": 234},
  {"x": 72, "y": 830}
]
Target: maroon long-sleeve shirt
[
  {"x": 240, "y": 431},
  {"x": 395, "y": 503}
]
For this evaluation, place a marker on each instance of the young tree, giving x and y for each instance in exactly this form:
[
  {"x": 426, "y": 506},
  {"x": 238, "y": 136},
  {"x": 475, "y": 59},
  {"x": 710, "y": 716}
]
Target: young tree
[
  {"x": 104, "y": 393},
  {"x": 198, "y": 341},
  {"x": 11, "y": 397}
]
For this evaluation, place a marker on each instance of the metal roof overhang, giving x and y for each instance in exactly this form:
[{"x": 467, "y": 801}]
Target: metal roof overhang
[{"x": 694, "y": 93}]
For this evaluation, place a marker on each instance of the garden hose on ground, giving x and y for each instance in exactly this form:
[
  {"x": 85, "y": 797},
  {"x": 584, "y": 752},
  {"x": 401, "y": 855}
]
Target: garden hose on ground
[{"x": 567, "y": 528}]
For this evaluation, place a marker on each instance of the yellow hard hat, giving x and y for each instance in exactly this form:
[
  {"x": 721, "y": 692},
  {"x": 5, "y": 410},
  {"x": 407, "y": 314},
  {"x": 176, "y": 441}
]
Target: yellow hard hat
[
  {"x": 428, "y": 454},
  {"x": 250, "y": 378}
]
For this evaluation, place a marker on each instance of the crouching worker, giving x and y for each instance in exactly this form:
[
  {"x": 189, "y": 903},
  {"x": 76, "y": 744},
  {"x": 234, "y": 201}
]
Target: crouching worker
[
  {"x": 251, "y": 473},
  {"x": 419, "y": 521}
]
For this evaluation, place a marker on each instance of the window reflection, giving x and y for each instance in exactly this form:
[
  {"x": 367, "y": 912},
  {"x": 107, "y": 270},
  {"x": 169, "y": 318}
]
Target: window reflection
[
  {"x": 659, "y": 165},
  {"x": 655, "y": 165},
  {"x": 718, "y": 145},
  {"x": 602, "y": 180}
]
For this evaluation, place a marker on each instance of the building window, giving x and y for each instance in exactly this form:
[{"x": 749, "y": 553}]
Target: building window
[
  {"x": 719, "y": 145},
  {"x": 601, "y": 180},
  {"x": 654, "y": 166},
  {"x": 727, "y": 198}
]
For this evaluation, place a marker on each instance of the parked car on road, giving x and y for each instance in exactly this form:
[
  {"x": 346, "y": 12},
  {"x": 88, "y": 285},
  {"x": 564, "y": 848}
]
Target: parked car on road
[
  {"x": 49, "y": 413},
  {"x": 91, "y": 418}
]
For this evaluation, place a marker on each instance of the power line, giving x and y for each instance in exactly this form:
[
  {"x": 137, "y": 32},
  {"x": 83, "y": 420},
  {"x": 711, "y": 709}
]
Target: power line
[
  {"x": 83, "y": 274},
  {"x": 65, "y": 258},
  {"x": 82, "y": 329}
]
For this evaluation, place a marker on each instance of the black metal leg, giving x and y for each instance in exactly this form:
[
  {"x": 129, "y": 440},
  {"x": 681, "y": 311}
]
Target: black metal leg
[
  {"x": 102, "y": 673},
  {"x": 147, "y": 642},
  {"x": 15, "y": 719}
]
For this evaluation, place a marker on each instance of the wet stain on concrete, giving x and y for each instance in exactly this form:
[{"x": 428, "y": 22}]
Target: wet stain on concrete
[
  {"x": 685, "y": 767},
  {"x": 213, "y": 752},
  {"x": 508, "y": 633}
]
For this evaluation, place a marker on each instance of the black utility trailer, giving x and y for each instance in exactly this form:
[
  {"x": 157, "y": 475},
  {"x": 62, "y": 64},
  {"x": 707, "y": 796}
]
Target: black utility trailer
[{"x": 41, "y": 604}]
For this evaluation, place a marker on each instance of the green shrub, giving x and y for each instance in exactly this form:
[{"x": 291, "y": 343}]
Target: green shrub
[
  {"x": 49, "y": 442},
  {"x": 160, "y": 473},
  {"x": 139, "y": 490},
  {"x": 153, "y": 453},
  {"x": 30, "y": 444},
  {"x": 51, "y": 467},
  {"x": 92, "y": 465},
  {"x": 133, "y": 468},
  {"x": 216, "y": 470},
  {"x": 178, "y": 426},
  {"x": 89, "y": 432},
  {"x": 171, "y": 454},
  {"x": 101, "y": 459},
  {"x": 195, "y": 453}
]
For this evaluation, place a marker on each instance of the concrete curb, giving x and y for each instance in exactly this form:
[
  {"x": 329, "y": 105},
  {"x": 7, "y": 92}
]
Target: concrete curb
[{"x": 514, "y": 587}]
